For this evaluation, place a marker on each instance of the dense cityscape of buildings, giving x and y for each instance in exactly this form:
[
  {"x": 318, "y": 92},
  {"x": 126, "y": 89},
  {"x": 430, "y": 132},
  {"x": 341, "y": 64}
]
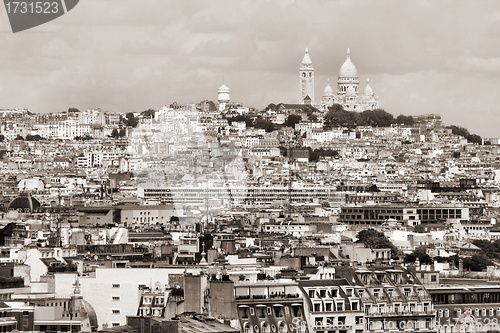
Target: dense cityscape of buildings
[{"x": 216, "y": 217}]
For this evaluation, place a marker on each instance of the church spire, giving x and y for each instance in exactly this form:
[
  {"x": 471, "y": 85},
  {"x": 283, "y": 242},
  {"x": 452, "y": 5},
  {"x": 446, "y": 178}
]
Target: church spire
[{"x": 348, "y": 53}]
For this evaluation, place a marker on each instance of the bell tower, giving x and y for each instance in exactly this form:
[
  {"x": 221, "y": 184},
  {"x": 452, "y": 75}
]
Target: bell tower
[{"x": 306, "y": 80}]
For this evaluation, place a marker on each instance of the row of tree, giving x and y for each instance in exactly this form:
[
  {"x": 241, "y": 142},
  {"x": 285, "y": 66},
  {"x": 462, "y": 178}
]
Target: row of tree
[
  {"x": 472, "y": 138},
  {"x": 338, "y": 117},
  {"x": 477, "y": 262}
]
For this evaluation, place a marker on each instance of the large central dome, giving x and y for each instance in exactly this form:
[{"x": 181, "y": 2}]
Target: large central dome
[{"x": 348, "y": 69}]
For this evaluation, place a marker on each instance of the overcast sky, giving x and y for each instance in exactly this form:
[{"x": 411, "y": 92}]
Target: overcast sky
[{"x": 130, "y": 55}]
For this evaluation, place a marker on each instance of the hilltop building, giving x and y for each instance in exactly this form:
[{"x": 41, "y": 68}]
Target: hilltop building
[
  {"x": 348, "y": 94},
  {"x": 223, "y": 97}
]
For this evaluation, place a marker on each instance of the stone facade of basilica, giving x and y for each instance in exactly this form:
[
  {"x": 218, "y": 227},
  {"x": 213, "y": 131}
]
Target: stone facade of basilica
[{"x": 347, "y": 95}]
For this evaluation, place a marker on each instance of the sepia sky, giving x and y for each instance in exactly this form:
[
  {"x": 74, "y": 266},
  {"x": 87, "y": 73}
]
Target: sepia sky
[{"x": 130, "y": 55}]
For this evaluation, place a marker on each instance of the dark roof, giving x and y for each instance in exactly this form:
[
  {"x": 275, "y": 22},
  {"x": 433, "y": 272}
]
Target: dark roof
[
  {"x": 323, "y": 283},
  {"x": 24, "y": 202}
]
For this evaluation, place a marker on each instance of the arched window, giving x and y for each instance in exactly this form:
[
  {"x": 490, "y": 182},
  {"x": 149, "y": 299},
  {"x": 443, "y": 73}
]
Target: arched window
[
  {"x": 266, "y": 328},
  {"x": 247, "y": 328},
  {"x": 282, "y": 328},
  {"x": 304, "y": 74}
]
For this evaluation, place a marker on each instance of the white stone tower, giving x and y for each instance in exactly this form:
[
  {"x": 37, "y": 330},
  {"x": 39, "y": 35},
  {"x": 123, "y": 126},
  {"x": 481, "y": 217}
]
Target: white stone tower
[
  {"x": 223, "y": 97},
  {"x": 306, "y": 77}
]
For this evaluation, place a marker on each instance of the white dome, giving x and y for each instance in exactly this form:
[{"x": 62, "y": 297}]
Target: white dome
[
  {"x": 328, "y": 90},
  {"x": 348, "y": 69}
]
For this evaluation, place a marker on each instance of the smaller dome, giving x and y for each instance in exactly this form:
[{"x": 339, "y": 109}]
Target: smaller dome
[
  {"x": 328, "y": 90},
  {"x": 368, "y": 89},
  {"x": 90, "y": 313}
]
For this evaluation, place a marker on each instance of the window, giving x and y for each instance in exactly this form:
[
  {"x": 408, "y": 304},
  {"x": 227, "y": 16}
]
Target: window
[
  {"x": 116, "y": 324},
  {"x": 340, "y": 306},
  {"x": 318, "y": 321},
  {"x": 328, "y": 306},
  {"x": 317, "y": 307},
  {"x": 311, "y": 293},
  {"x": 322, "y": 293},
  {"x": 116, "y": 286},
  {"x": 341, "y": 321},
  {"x": 116, "y": 311},
  {"x": 433, "y": 278},
  {"x": 354, "y": 306},
  {"x": 116, "y": 298}
]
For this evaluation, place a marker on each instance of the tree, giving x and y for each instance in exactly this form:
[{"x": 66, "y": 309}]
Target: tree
[
  {"x": 150, "y": 113},
  {"x": 376, "y": 118},
  {"x": 477, "y": 263},
  {"x": 19, "y": 137},
  {"x": 73, "y": 110},
  {"x": 114, "y": 133},
  {"x": 35, "y": 137},
  {"x": 473, "y": 138},
  {"x": 292, "y": 120},
  {"x": 313, "y": 117},
  {"x": 130, "y": 120},
  {"x": 265, "y": 124},
  {"x": 340, "y": 118},
  {"x": 376, "y": 240},
  {"x": 248, "y": 121},
  {"x": 406, "y": 120},
  {"x": 2, "y": 137},
  {"x": 419, "y": 253}
]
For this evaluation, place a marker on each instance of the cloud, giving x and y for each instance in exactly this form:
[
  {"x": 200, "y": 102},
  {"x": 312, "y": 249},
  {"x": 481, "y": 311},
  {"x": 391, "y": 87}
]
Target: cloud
[{"x": 421, "y": 56}]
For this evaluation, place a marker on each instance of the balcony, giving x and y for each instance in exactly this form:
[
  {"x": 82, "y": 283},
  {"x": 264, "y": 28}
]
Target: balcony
[{"x": 272, "y": 296}]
